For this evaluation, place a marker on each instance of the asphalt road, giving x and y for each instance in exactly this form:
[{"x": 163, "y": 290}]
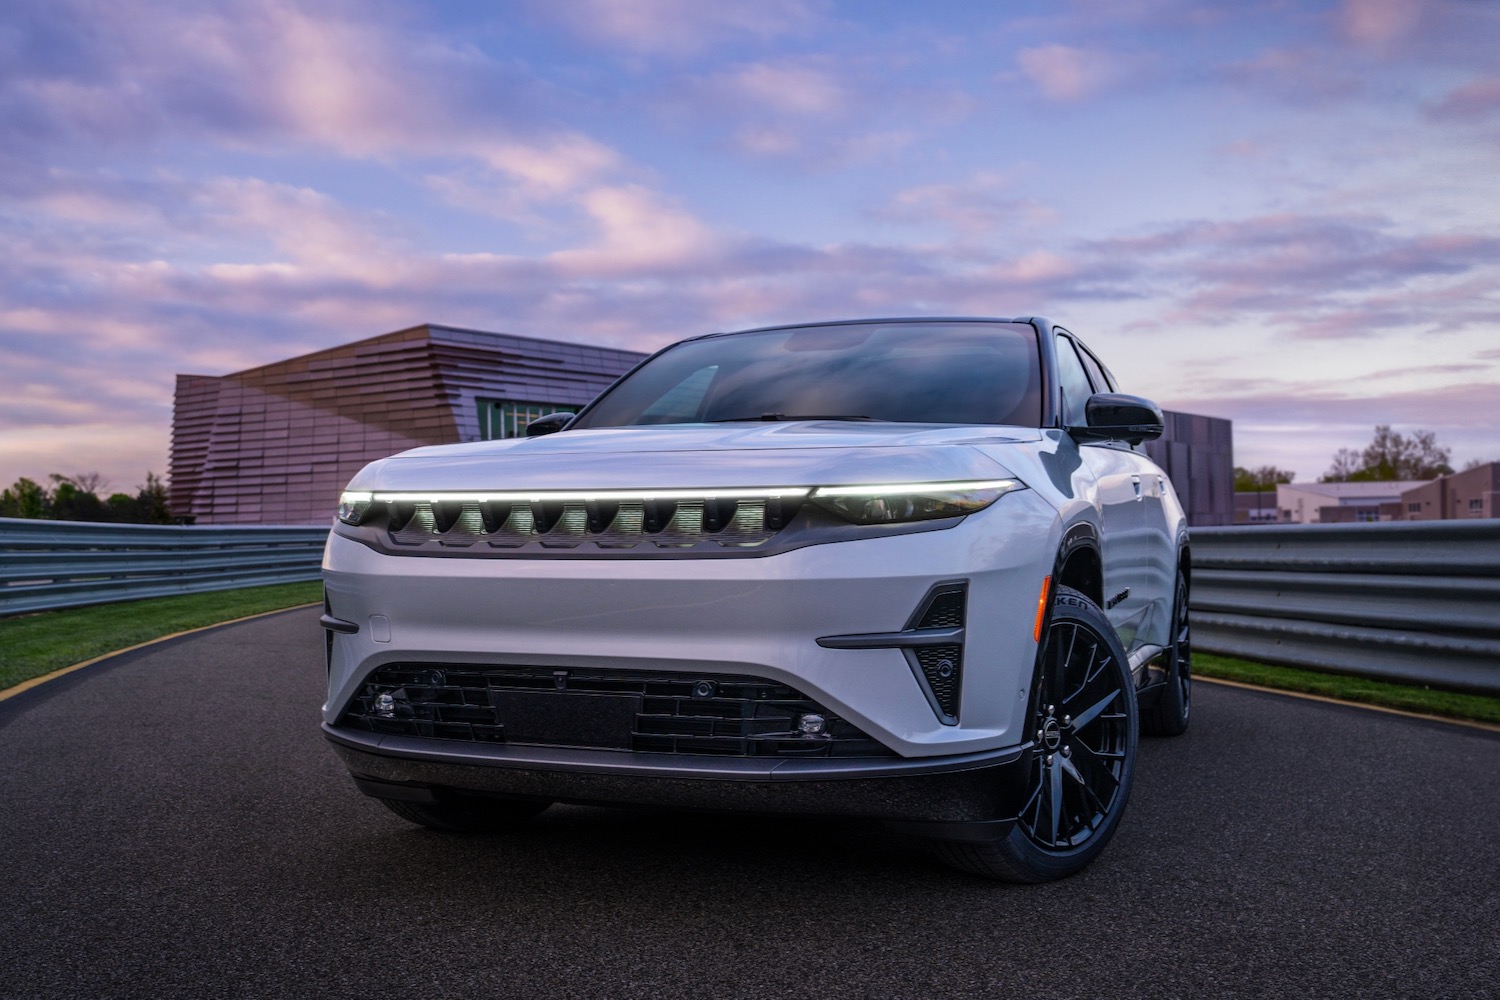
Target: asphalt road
[{"x": 172, "y": 825}]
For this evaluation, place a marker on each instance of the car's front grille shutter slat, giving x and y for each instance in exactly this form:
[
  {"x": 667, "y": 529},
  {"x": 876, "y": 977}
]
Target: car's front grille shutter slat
[{"x": 587, "y": 523}]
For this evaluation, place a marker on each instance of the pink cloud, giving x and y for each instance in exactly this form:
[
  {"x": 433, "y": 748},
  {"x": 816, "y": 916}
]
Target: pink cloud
[
  {"x": 1473, "y": 101},
  {"x": 786, "y": 87},
  {"x": 980, "y": 206},
  {"x": 1298, "y": 75},
  {"x": 1378, "y": 22},
  {"x": 681, "y": 27},
  {"x": 1067, "y": 74}
]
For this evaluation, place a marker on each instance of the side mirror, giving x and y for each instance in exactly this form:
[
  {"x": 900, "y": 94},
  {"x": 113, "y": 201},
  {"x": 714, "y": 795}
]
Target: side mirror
[
  {"x": 550, "y": 424},
  {"x": 1114, "y": 416}
]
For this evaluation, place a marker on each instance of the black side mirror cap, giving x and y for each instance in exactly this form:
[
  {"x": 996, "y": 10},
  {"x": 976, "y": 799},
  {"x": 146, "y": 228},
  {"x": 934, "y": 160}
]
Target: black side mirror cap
[
  {"x": 1115, "y": 416},
  {"x": 550, "y": 424}
]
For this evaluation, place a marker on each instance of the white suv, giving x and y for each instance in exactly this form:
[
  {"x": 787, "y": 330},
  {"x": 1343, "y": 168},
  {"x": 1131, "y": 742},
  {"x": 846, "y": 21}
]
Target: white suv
[{"x": 915, "y": 570}]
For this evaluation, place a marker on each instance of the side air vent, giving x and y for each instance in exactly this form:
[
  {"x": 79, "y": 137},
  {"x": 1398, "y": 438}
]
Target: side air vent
[
  {"x": 938, "y": 662},
  {"x": 940, "y": 668},
  {"x": 945, "y": 609}
]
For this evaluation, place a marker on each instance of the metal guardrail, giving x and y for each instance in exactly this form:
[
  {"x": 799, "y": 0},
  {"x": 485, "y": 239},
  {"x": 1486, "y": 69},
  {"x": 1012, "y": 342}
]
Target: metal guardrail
[
  {"x": 45, "y": 565},
  {"x": 1415, "y": 602},
  {"x": 1409, "y": 601}
]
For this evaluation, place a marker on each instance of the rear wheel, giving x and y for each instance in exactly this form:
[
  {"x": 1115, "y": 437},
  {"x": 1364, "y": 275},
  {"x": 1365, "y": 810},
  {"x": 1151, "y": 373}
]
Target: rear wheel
[
  {"x": 1169, "y": 716},
  {"x": 1084, "y": 727},
  {"x": 466, "y": 814}
]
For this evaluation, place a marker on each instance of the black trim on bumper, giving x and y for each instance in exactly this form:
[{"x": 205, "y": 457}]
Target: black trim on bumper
[
  {"x": 966, "y": 788},
  {"x": 338, "y": 625}
]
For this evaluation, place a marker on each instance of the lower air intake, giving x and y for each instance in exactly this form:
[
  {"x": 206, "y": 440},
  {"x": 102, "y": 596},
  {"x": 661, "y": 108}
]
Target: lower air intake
[{"x": 644, "y": 711}]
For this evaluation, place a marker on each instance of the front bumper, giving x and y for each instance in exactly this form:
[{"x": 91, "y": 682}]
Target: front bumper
[
  {"x": 947, "y": 796},
  {"x": 704, "y": 618}
]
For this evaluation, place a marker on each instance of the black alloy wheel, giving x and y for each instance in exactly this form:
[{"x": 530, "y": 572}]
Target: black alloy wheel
[
  {"x": 1170, "y": 714},
  {"x": 1084, "y": 731}
]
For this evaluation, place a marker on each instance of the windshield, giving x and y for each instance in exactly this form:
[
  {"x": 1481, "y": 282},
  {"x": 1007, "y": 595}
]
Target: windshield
[{"x": 946, "y": 373}]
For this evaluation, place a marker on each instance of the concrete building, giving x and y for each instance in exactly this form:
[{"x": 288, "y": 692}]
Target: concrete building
[
  {"x": 1474, "y": 493},
  {"x": 276, "y": 444},
  {"x": 1332, "y": 503},
  {"x": 1197, "y": 452},
  {"x": 1255, "y": 507}
]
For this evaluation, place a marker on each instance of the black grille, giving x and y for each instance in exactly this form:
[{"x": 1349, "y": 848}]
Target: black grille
[
  {"x": 945, "y": 610},
  {"x": 628, "y": 710},
  {"x": 940, "y": 665},
  {"x": 938, "y": 660}
]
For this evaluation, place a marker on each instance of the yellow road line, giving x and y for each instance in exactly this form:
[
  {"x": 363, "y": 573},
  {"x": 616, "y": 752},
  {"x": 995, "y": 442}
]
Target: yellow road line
[
  {"x": 11, "y": 692},
  {"x": 1471, "y": 723}
]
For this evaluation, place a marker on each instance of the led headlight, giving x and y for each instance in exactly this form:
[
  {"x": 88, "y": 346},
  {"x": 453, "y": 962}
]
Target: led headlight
[
  {"x": 891, "y": 502},
  {"x": 353, "y": 505}
]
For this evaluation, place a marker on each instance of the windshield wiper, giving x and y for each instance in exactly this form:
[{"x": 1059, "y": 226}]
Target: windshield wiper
[{"x": 773, "y": 417}]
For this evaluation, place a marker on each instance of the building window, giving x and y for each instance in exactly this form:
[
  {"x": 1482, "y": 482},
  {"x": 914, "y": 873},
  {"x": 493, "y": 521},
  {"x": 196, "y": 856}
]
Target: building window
[
  {"x": 1476, "y": 506},
  {"x": 1365, "y": 514},
  {"x": 1415, "y": 507},
  {"x": 503, "y": 418}
]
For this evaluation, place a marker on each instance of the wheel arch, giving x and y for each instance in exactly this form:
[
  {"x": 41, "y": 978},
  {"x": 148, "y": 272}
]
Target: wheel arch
[{"x": 1079, "y": 563}]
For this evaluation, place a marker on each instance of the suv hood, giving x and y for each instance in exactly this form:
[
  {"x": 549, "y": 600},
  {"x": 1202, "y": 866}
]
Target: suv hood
[{"x": 689, "y": 456}]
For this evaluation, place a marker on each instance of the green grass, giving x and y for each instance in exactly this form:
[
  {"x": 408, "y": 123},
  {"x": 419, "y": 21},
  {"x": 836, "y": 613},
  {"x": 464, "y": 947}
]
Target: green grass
[
  {"x": 1387, "y": 694},
  {"x": 32, "y": 645}
]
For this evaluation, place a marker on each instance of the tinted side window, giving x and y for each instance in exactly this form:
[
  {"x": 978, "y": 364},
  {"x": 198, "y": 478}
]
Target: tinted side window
[{"x": 1075, "y": 384}]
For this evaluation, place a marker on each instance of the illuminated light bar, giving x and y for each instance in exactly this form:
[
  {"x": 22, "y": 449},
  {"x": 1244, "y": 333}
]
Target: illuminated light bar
[
  {"x": 579, "y": 496},
  {"x": 892, "y": 503},
  {"x": 887, "y": 489}
]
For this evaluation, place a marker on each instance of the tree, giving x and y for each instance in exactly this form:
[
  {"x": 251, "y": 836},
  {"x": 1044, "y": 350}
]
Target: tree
[
  {"x": 1391, "y": 456},
  {"x": 152, "y": 501},
  {"x": 74, "y": 498},
  {"x": 70, "y": 502},
  {"x": 1346, "y": 464},
  {"x": 1260, "y": 480},
  {"x": 25, "y": 499}
]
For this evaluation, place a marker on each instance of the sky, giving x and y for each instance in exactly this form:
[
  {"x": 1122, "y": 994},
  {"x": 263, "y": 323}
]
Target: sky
[{"x": 1283, "y": 213}]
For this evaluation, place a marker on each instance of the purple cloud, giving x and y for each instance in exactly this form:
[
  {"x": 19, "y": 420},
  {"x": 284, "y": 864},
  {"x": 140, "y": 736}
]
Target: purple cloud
[
  {"x": 1477, "y": 100},
  {"x": 681, "y": 27}
]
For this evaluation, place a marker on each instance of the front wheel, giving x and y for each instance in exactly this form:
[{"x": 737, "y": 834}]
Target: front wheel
[{"x": 1084, "y": 729}]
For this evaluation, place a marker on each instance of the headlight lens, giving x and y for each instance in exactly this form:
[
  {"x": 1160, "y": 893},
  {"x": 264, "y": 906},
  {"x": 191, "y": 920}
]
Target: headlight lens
[
  {"x": 892, "y": 502},
  {"x": 353, "y": 505}
]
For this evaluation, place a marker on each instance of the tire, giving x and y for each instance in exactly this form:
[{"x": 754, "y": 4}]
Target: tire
[
  {"x": 465, "y": 814},
  {"x": 1169, "y": 715},
  {"x": 1081, "y": 771}
]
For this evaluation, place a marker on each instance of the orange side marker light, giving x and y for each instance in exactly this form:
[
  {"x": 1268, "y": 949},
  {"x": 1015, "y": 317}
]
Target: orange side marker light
[{"x": 1041, "y": 608}]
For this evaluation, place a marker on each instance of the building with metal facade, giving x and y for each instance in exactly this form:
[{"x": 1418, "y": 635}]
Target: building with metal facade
[
  {"x": 1197, "y": 452},
  {"x": 276, "y": 444}
]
